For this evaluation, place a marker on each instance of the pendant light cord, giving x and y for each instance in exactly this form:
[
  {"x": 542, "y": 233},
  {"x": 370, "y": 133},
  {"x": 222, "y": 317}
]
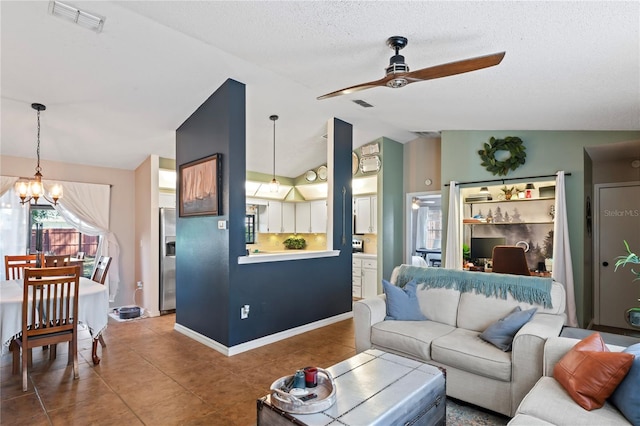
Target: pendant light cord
[{"x": 38, "y": 168}]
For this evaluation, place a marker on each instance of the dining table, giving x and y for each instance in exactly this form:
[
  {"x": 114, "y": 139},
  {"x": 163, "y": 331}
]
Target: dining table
[{"x": 93, "y": 308}]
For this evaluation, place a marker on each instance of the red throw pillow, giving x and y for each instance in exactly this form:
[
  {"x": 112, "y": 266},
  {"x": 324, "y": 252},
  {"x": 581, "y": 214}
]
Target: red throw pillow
[{"x": 590, "y": 372}]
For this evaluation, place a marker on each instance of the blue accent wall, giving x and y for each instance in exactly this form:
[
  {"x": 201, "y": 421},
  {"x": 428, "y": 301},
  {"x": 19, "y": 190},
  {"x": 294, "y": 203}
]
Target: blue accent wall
[{"x": 211, "y": 286}]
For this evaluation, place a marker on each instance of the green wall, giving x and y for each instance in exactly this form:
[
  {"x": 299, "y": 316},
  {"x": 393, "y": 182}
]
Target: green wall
[
  {"x": 547, "y": 152},
  {"x": 390, "y": 209}
]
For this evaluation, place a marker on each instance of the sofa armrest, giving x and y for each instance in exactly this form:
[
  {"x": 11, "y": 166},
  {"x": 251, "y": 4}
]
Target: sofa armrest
[
  {"x": 555, "y": 348},
  {"x": 528, "y": 353},
  {"x": 367, "y": 312}
]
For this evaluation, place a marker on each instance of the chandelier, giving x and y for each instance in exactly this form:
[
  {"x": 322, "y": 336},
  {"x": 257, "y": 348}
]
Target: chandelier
[
  {"x": 274, "y": 186},
  {"x": 32, "y": 189}
]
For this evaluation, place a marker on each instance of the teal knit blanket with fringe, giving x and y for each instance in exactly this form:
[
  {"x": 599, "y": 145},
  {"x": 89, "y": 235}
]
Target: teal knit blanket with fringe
[{"x": 533, "y": 290}]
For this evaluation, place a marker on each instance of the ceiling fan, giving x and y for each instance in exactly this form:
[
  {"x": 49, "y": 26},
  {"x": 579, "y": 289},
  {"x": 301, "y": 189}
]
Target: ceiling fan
[{"x": 398, "y": 74}]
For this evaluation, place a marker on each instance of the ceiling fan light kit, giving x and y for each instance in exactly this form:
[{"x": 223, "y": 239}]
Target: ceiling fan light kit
[{"x": 398, "y": 74}]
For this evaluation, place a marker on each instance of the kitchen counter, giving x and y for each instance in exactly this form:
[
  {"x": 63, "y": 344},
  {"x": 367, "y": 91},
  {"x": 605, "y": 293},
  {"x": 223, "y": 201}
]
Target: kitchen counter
[
  {"x": 280, "y": 256},
  {"x": 365, "y": 255}
]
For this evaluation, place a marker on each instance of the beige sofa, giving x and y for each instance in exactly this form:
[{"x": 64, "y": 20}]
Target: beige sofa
[
  {"x": 549, "y": 404},
  {"x": 477, "y": 371}
]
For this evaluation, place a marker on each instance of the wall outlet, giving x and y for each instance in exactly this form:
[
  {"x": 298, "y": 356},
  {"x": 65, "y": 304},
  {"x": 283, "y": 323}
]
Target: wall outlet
[
  {"x": 222, "y": 224},
  {"x": 244, "y": 312}
]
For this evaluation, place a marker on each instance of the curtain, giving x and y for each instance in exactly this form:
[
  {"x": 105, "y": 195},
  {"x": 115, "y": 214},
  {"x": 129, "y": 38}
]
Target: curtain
[
  {"x": 14, "y": 221},
  {"x": 562, "y": 267},
  {"x": 86, "y": 207},
  {"x": 421, "y": 227},
  {"x": 453, "y": 257}
]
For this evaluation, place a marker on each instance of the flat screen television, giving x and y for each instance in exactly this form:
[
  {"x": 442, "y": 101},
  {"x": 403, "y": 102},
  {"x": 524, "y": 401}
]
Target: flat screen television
[{"x": 482, "y": 248}]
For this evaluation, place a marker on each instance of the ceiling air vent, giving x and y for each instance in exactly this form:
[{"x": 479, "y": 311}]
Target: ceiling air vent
[
  {"x": 73, "y": 14},
  {"x": 362, "y": 103}
]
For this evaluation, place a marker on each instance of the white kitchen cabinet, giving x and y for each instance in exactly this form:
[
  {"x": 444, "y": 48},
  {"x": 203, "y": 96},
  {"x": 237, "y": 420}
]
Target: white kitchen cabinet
[
  {"x": 356, "y": 277},
  {"x": 318, "y": 211},
  {"x": 288, "y": 218},
  {"x": 364, "y": 277},
  {"x": 311, "y": 217},
  {"x": 366, "y": 212},
  {"x": 277, "y": 217},
  {"x": 303, "y": 217},
  {"x": 369, "y": 277}
]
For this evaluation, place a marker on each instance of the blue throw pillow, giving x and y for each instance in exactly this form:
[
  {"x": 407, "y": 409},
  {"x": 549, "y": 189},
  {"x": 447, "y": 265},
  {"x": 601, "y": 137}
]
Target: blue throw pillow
[
  {"x": 502, "y": 332},
  {"x": 402, "y": 303},
  {"x": 627, "y": 395}
]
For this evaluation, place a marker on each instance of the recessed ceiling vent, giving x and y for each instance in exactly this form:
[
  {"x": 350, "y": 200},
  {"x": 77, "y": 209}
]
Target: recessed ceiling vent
[
  {"x": 70, "y": 13},
  {"x": 362, "y": 103}
]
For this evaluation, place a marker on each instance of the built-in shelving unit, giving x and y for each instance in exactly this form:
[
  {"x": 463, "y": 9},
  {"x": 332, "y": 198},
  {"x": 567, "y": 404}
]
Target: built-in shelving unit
[{"x": 521, "y": 221}]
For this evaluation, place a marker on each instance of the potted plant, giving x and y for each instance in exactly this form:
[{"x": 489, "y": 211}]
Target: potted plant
[
  {"x": 632, "y": 315},
  {"x": 295, "y": 242},
  {"x": 466, "y": 254}
]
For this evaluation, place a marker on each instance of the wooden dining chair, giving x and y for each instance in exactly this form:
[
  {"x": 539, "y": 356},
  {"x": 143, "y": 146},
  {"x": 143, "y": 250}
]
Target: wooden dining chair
[
  {"x": 101, "y": 269},
  {"x": 99, "y": 276},
  {"x": 14, "y": 265},
  {"x": 56, "y": 261},
  {"x": 49, "y": 307}
]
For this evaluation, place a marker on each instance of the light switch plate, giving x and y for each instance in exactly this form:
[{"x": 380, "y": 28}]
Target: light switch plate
[{"x": 222, "y": 224}]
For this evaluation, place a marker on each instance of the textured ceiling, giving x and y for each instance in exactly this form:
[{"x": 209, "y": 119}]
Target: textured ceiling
[{"x": 114, "y": 98}]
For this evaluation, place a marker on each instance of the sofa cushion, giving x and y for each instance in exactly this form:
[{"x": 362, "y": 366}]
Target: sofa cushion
[
  {"x": 477, "y": 312},
  {"x": 463, "y": 349},
  {"x": 590, "y": 372},
  {"x": 439, "y": 304},
  {"x": 402, "y": 303},
  {"x": 501, "y": 333},
  {"x": 627, "y": 395},
  {"x": 412, "y": 338},
  {"x": 548, "y": 401}
]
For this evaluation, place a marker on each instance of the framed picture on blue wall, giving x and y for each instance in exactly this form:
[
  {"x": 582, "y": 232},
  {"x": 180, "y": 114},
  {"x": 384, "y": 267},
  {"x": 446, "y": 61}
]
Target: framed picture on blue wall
[{"x": 200, "y": 184}]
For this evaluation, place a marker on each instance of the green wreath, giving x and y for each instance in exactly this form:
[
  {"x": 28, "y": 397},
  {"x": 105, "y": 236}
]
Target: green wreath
[{"x": 513, "y": 144}]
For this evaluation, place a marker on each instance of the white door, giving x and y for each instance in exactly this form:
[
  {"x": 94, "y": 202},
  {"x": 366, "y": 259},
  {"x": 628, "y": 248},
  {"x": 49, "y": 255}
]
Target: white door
[{"x": 617, "y": 214}]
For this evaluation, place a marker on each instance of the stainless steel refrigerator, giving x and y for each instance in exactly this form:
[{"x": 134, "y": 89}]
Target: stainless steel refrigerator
[{"x": 167, "y": 260}]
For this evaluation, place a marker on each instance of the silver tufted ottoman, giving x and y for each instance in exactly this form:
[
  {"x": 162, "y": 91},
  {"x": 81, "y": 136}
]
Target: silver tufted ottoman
[{"x": 374, "y": 388}]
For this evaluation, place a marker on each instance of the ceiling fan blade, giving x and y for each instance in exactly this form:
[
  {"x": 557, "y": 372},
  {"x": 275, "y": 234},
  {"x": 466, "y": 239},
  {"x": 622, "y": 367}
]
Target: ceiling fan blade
[
  {"x": 453, "y": 68},
  {"x": 357, "y": 88}
]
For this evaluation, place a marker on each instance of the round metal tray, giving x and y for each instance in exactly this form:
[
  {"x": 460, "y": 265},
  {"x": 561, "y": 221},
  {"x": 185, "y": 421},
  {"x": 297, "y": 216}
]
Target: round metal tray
[{"x": 326, "y": 391}]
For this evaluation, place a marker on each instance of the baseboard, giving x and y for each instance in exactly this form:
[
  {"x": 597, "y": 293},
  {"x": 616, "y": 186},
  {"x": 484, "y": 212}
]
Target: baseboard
[{"x": 253, "y": 344}]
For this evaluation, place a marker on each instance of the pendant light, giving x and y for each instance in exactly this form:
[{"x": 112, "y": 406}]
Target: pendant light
[
  {"x": 274, "y": 186},
  {"x": 32, "y": 189}
]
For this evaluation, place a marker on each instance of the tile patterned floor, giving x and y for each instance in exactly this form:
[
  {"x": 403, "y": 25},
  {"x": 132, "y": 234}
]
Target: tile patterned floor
[{"x": 153, "y": 375}]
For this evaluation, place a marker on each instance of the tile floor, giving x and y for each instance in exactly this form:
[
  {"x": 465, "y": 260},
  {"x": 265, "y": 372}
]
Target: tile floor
[{"x": 152, "y": 375}]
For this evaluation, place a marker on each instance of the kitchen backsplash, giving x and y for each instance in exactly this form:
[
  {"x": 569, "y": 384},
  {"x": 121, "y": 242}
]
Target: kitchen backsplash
[
  {"x": 370, "y": 243},
  {"x": 273, "y": 242}
]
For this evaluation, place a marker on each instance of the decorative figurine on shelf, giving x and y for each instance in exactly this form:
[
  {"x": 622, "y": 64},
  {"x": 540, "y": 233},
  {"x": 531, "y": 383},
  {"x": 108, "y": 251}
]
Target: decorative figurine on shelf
[{"x": 508, "y": 192}]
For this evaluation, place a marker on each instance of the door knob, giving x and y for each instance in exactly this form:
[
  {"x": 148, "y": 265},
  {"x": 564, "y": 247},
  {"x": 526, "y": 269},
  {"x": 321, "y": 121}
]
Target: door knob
[{"x": 605, "y": 263}]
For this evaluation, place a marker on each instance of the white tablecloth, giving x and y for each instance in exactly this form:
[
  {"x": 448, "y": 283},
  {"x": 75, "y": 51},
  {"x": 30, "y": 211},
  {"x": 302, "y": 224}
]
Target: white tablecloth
[{"x": 93, "y": 308}]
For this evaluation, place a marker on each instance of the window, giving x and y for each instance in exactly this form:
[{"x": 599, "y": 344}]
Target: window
[
  {"x": 60, "y": 238},
  {"x": 250, "y": 229}
]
